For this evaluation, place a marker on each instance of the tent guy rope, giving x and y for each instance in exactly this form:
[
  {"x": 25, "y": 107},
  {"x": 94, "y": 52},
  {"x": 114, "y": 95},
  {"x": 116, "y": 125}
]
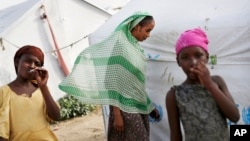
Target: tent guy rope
[
  {"x": 59, "y": 55},
  {"x": 50, "y": 51}
]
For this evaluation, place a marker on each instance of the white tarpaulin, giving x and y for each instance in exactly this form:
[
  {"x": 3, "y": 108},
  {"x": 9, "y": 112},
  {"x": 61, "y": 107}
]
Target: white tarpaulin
[
  {"x": 21, "y": 24},
  {"x": 227, "y": 24}
]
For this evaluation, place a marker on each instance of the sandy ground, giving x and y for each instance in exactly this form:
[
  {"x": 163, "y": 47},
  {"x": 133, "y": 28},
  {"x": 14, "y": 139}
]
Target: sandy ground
[{"x": 85, "y": 128}]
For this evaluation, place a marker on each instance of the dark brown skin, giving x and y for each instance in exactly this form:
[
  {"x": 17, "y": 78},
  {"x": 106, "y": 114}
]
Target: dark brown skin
[
  {"x": 142, "y": 32},
  {"x": 23, "y": 85},
  {"x": 192, "y": 60}
]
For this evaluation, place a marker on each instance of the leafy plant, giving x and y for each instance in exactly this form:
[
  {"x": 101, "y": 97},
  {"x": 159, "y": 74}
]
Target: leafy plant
[{"x": 72, "y": 107}]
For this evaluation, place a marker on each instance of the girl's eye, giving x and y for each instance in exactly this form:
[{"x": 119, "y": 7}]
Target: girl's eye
[
  {"x": 38, "y": 64},
  {"x": 30, "y": 61},
  {"x": 184, "y": 57},
  {"x": 199, "y": 55},
  {"x": 148, "y": 31}
]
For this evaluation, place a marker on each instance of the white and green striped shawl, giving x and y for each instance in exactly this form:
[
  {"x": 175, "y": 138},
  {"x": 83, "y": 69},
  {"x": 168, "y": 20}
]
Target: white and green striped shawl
[{"x": 112, "y": 72}]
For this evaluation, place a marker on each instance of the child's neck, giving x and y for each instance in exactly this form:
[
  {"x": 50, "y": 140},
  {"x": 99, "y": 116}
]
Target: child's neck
[{"x": 190, "y": 82}]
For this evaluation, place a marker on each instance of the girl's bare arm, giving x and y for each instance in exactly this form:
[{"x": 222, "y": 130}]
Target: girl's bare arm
[{"x": 173, "y": 116}]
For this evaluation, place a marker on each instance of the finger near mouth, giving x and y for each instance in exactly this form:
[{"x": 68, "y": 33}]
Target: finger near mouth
[
  {"x": 192, "y": 74},
  {"x": 32, "y": 70}
]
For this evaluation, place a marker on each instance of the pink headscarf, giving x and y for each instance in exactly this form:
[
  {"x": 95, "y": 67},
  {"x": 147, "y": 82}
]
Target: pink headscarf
[{"x": 192, "y": 37}]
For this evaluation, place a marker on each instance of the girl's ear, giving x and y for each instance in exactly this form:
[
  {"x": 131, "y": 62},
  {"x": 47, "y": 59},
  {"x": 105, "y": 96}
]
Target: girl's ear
[{"x": 136, "y": 28}]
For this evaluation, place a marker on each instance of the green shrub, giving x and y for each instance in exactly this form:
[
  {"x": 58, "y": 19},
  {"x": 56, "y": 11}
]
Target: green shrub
[{"x": 72, "y": 107}]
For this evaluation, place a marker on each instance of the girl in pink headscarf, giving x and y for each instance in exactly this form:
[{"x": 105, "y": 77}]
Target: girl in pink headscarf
[{"x": 202, "y": 102}]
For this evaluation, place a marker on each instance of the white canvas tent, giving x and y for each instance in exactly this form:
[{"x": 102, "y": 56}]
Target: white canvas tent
[
  {"x": 227, "y": 23},
  {"x": 71, "y": 21}
]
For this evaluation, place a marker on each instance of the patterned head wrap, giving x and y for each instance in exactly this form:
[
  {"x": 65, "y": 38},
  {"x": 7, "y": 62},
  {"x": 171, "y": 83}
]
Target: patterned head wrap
[
  {"x": 112, "y": 72},
  {"x": 129, "y": 23},
  {"x": 29, "y": 49},
  {"x": 192, "y": 37}
]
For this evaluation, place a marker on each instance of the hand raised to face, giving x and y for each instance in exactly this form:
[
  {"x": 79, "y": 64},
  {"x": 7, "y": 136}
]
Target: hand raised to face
[
  {"x": 40, "y": 74},
  {"x": 202, "y": 72}
]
